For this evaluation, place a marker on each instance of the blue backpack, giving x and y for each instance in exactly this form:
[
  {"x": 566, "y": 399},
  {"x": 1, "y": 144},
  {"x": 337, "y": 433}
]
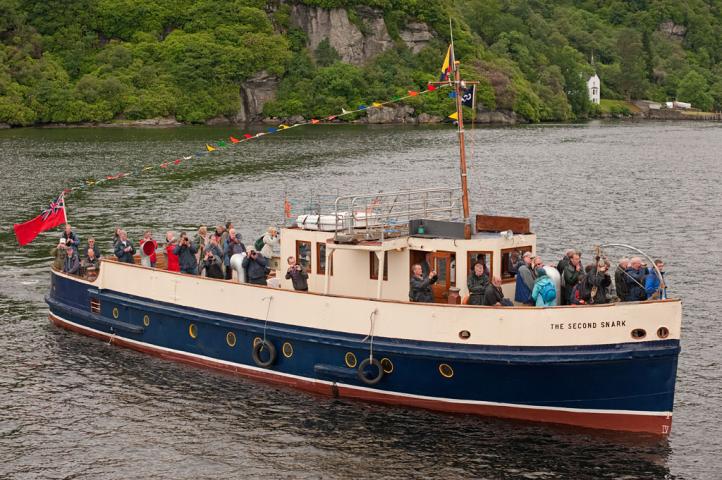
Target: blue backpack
[{"x": 548, "y": 292}]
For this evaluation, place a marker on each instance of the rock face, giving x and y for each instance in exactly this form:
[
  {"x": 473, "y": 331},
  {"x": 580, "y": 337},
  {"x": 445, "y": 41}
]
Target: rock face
[
  {"x": 497, "y": 117},
  {"x": 416, "y": 35},
  {"x": 672, "y": 29},
  {"x": 255, "y": 92},
  {"x": 399, "y": 114},
  {"x": 345, "y": 37}
]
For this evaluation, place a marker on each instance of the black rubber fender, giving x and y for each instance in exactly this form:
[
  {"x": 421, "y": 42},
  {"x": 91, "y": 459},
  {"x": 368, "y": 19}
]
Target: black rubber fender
[
  {"x": 272, "y": 354},
  {"x": 361, "y": 372}
]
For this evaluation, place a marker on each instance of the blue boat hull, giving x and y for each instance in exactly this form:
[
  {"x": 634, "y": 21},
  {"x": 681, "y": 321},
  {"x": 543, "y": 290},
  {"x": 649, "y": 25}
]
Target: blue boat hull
[{"x": 626, "y": 386}]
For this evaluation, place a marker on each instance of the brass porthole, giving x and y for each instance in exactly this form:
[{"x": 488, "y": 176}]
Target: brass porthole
[
  {"x": 287, "y": 350},
  {"x": 639, "y": 333},
  {"x": 350, "y": 360},
  {"x": 663, "y": 332},
  {"x": 193, "y": 330},
  {"x": 231, "y": 339},
  {"x": 146, "y": 320},
  {"x": 445, "y": 370},
  {"x": 387, "y": 365},
  {"x": 116, "y": 313},
  {"x": 464, "y": 334},
  {"x": 256, "y": 341}
]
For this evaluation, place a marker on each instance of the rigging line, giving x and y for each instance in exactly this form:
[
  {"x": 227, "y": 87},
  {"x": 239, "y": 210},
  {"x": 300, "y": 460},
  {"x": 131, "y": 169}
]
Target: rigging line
[
  {"x": 268, "y": 309},
  {"x": 372, "y": 321}
]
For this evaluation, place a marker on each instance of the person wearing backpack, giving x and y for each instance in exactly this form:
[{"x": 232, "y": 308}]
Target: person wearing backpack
[{"x": 544, "y": 292}]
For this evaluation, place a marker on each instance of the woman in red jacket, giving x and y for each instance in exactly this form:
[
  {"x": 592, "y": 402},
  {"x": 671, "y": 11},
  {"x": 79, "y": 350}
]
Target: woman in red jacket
[{"x": 171, "y": 258}]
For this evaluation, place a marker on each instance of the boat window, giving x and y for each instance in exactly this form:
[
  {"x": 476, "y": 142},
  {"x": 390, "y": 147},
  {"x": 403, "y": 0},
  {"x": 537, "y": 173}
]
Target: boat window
[
  {"x": 303, "y": 254},
  {"x": 486, "y": 257},
  {"x": 511, "y": 258},
  {"x": 321, "y": 260},
  {"x": 374, "y": 266}
]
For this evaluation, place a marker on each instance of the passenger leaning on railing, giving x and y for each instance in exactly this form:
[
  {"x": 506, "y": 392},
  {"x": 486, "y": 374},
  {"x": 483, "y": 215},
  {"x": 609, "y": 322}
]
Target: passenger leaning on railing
[{"x": 124, "y": 249}]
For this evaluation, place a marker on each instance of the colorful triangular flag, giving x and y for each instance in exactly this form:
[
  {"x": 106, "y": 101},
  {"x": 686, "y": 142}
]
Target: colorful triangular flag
[
  {"x": 430, "y": 87},
  {"x": 314, "y": 121},
  {"x": 209, "y": 148},
  {"x": 247, "y": 135},
  {"x": 221, "y": 143},
  {"x": 454, "y": 116},
  {"x": 377, "y": 104},
  {"x": 413, "y": 93},
  {"x": 233, "y": 139}
]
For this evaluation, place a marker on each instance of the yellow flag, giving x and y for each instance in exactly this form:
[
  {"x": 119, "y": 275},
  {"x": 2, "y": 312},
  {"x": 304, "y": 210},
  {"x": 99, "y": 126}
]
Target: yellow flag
[
  {"x": 445, "y": 67},
  {"x": 209, "y": 148},
  {"x": 454, "y": 116},
  {"x": 376, "y": 104},
  {"x": 282, "y": 126}
]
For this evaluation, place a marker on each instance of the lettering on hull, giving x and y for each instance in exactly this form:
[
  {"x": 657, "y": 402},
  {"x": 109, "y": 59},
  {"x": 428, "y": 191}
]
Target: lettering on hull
[{"x": 587, "y": 325}]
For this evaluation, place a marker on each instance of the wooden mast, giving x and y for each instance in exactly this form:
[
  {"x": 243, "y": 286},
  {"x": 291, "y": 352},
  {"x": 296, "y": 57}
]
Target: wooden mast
[{"x": 462, "y": 147}]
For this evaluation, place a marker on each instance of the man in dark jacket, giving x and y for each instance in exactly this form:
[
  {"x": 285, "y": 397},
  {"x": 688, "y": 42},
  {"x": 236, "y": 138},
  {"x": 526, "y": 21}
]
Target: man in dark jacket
[
  {"x": 634, "y": 278},
  {"x": 477, "y": 283},
  {"x": 255, "y": 265},
  {"x": 420, "y": 289},
  {"x": 186, "y": 252},
  {"x": 96, "y": 250},
  {"x": 568, "y": 254},
  {"x": 124, "y": 250},
  {"x": 620, "y": 285},
  {"x": 72, "y": 262},
  {"x": 71, "y": 239},
  {"x": 572, "y": 271},
  {"x": 493, "y": 295},
  {"x": 297, "y": 275}
]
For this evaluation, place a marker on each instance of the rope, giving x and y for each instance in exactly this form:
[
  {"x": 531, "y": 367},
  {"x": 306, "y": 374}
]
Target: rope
[
  {"x": 265, "y": 323},
  {"x": 372, "y": 321}
]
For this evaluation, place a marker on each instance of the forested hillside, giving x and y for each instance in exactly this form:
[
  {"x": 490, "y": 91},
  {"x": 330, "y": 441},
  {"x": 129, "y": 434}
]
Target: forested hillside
[{"x": 100, "y": 60}]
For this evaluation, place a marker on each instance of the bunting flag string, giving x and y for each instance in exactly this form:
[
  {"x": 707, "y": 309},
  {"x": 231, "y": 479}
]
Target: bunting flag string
[{"x": 215, "y": 147}]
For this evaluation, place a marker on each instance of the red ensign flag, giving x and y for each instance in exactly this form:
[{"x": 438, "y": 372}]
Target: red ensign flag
[{"x": 51, "y": 217}]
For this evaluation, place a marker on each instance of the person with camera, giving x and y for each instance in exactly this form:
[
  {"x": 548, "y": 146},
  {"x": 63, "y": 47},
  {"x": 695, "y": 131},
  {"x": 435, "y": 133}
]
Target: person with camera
[
  {"x": 186, "y": 252},
  {"x": 635, "y": 280},
  {"x": 420, "y": 287},
  {"x": 256, "y": 267},
  {"x": 124, "y": 250},
  {"x": 598, "y": 282},
  {"x": 212, "y": 260},
  {"x": 297, "y": 274}
]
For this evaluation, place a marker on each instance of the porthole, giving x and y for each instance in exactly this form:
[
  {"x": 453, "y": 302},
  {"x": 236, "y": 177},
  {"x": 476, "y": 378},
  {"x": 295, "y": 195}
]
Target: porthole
[
  {"x": 464, "y": 334},
  {"x": 115, "y": 313},
  {"x": 639, "y": 333},
  {"x": 256, "y": 341},
  {"x": 193, "y": 330},
  {"x": 387, "y": 365},
  {"x": 350, "y": 360},
  {"x": 146, "y": 320},
  {"x": 287, "y": 350},
  {"x": 663, "y": 332},
  {"x": 446, "y": 371},
  {"x": 231, "y": 339}
]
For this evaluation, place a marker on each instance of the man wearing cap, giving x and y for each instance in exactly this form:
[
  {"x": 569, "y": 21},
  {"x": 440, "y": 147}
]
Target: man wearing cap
[
  {"x": 525, "y": 281},
  {"x": 72, "y": 263},
  {"x": 60, "y": 253}
]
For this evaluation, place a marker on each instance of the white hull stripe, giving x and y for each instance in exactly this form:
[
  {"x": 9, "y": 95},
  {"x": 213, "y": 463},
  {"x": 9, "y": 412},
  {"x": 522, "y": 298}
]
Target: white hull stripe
[{"x": 354, "y": 387}]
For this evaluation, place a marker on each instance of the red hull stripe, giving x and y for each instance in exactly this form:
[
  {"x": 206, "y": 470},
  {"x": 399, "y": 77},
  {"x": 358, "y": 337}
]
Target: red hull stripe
[{"x": 658, "y": 423}]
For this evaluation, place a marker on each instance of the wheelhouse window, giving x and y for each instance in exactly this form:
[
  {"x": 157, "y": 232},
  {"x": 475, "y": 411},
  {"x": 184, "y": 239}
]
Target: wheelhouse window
[
  {"x": 303, "y": 254},
  {"x": 374, "y": 266},
  {"x": 321, "y": 260},
  {"x": 484, "y": 257},
  {"x": 511, "y": 260}
]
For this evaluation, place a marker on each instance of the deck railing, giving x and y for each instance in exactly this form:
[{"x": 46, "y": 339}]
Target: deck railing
[{"x": 380, "y": 215}]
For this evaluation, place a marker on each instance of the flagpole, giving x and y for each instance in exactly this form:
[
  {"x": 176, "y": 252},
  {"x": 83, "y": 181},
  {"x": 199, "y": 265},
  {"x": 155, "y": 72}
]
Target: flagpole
[
  {"x": 65, "y": 212},
  {"x": 462, "y": 147}
]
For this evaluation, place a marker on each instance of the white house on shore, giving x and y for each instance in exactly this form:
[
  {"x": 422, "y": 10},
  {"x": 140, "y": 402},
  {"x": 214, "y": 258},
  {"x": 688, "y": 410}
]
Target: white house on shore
[{"x": 593, "y": 87}]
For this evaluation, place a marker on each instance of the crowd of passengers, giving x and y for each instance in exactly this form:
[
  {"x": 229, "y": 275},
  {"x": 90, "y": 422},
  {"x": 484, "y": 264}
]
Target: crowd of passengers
[
  {"x": 579, "y": 284},
  {"x": 210, "y": 253}
]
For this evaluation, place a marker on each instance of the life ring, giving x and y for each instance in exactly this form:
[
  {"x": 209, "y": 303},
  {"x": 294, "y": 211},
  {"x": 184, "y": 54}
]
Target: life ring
[
  {"x": 258, "y": 347},
  {"x": 361, "y": 372}
]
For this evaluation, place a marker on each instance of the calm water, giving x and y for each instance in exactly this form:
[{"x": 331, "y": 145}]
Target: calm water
[{"x": 73, "y": 407}]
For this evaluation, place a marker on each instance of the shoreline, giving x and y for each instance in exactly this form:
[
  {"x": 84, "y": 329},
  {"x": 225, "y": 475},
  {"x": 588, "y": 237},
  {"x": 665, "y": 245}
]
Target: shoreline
[{"x": 500, "y": 119}]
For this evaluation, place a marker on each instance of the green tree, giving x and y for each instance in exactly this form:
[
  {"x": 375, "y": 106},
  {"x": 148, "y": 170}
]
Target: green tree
[
  {"x": 632, "y": 79},
  {"x": 694, "y": 89}
]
